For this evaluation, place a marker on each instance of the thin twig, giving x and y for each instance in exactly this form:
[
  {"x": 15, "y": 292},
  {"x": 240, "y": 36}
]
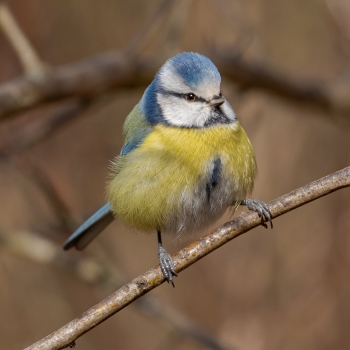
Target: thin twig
[
  {"x": 42, "y": 181},
  {"x": 88, "y": 79},
  {"x": 141, "y": 285},
  {"x": 181, "y": 323},
  {"x": 11, "y": 153},
  {"x": 148, "y": 30},
  {"x": 340, "y": 12},
  {"x": 40, "y": 130},
  {"x": 29, "y": 59},
  {"x": 233, "y": 15},
  {"x": 175, "y": 26}
]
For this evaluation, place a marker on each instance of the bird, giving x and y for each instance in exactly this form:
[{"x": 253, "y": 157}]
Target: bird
[{"x": 186, "y": 159}]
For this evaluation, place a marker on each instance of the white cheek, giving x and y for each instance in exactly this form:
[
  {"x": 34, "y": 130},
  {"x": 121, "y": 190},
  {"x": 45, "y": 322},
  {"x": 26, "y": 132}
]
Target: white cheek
[
  {"x": 180, "y": 112},
  {"x": 228, "y": 111}
]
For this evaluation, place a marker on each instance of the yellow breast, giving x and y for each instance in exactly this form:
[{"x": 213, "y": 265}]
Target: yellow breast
[{"x": 165, "y": 177}]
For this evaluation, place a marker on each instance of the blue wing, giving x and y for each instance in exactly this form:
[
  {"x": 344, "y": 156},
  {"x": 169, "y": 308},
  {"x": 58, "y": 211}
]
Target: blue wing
[
  {"x": 136, "y": 128},
  {"x": 135, "y": 141},
  {"x": 90, "y": 228}
]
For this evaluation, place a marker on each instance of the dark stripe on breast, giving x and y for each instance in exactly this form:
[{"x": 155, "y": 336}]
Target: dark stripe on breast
[
  {"x": 217, "y": 117},
  {"x": 215, "y": 177}
]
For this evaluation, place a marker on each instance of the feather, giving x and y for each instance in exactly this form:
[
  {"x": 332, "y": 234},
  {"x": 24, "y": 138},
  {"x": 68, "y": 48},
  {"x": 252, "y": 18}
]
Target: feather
[{"x": 90, "y": 228}]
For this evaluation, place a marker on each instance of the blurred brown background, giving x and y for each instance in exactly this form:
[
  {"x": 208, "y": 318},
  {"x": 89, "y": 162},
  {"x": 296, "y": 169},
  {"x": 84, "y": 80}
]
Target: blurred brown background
[{"x": 282, "y": 289}]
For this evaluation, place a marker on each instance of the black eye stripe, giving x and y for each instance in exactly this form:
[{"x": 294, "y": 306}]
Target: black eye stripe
[
  {"x": 198, "y": 99},
  {"x": 177, "y": 94}
]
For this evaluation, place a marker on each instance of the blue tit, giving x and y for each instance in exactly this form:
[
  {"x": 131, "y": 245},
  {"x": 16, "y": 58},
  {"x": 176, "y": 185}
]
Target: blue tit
[{"x": 185, "y": 160}]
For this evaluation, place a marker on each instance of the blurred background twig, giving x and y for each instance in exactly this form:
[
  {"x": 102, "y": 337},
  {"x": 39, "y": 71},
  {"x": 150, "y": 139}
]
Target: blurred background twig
[{"x": 30, "y": 61}]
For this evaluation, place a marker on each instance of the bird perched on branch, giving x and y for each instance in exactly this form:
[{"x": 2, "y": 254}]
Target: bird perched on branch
[{"x": 185, "y": 160}]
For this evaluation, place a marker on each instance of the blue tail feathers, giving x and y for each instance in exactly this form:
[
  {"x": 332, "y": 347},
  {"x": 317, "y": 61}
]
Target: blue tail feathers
[{"x": 90, "y": 228}]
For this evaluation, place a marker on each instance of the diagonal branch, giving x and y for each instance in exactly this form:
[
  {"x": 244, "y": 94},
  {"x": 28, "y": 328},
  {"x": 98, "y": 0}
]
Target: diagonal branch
[
  {"x": 141, "y": 285},
  {"x": 31, "y": 245},
  {"x": 50, "y": 122},
  {"x": 28, "y": 57},
  {"x": 85, "y": 78}
]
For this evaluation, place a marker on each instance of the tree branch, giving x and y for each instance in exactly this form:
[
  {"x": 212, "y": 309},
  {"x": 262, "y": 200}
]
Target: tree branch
[
  {"x": 258, "y": 75},
  {"x": 31, "y": 245},
  {"x": 141, "y": 285},
  {"x": 28, "y": 57},
  {"x": 85, "y": 78},
  {"x": 117, "y": 69}
]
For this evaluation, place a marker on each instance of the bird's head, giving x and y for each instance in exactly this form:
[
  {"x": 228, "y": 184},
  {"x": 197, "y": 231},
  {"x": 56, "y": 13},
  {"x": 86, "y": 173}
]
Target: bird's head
[{"x": 186, "y": 93}]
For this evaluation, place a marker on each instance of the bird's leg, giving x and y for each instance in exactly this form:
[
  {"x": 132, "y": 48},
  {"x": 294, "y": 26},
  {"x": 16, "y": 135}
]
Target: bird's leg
[
  {"x": 165, "y": 261},
  {"x": 259, "y": 207}
]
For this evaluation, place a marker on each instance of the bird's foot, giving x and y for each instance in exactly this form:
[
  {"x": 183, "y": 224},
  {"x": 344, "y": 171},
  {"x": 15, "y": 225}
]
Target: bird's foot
[
  {"x": 166, "y": 265},
  {"x": 259, "y": 207}
]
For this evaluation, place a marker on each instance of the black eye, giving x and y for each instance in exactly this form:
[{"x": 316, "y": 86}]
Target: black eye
[{"x": 190, "y": 97}]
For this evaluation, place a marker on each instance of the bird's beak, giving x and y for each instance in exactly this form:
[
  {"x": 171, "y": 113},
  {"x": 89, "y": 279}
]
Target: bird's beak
[{"x": 216, "y": 101}]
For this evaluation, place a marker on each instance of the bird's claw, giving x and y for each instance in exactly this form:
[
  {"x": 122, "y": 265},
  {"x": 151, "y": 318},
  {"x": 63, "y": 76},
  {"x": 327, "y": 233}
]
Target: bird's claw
[
  {"x": 260, "y": 208},
  {"x": 166, "y": 265}
]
